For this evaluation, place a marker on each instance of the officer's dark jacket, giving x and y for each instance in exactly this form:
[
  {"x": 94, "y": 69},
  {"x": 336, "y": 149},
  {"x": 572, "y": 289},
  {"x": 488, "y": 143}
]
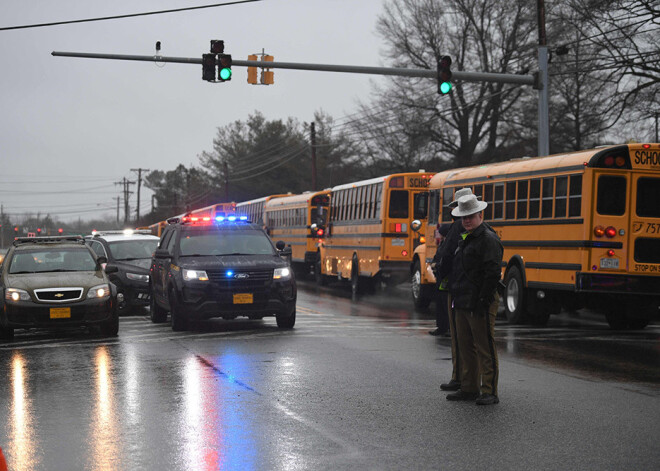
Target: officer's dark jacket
[
  {"x": 476, "y": 269},
  {"x": 444, "y": 255}
]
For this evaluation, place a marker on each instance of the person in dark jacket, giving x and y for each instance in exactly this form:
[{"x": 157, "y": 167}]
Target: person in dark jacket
[
  {"x": 475, "y": 276},
  {"x": 443, "y": 261},
  {"x": 441, "y": 288}
]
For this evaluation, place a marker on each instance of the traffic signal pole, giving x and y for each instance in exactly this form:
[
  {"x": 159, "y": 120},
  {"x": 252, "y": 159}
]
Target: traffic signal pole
[{"x": 540, "y": 82}]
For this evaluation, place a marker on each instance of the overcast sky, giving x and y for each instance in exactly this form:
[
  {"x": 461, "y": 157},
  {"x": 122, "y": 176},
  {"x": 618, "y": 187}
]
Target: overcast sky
[{"x": 70, "y": 128}]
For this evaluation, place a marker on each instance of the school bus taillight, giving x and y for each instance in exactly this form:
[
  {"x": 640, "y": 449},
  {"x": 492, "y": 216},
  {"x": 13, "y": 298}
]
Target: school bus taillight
[
  {"x": 610, "y": 253},
  {"x": 610, "y": 232},
  {"x": 404, "y": 253},
  {"x": 320, "y": 232},
  {"x": 599, "y": 231}
]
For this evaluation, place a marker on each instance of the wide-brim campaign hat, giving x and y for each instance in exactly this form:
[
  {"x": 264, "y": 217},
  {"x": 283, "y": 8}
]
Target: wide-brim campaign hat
[
  {"x": 468, "y": 205},
  {"x": 459, "y": 194}
]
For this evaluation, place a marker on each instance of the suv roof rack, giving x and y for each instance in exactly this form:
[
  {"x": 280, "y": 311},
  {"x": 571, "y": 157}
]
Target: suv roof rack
[{"x": 47, "y": 239}]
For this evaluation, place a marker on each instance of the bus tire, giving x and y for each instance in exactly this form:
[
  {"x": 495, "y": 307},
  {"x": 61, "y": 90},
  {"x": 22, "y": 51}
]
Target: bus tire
[
  {"x": 637, "y": 323},
  {"x": 514, "y": 296},
  {"x": 422, "y": 294},
  {"x": 616, "y": 319},
  {"x": 320, "y": 278}
]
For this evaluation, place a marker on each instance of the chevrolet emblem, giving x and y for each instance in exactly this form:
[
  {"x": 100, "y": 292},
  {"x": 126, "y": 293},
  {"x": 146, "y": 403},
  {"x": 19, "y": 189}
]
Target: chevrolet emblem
[{"x": 59, "y": 295}]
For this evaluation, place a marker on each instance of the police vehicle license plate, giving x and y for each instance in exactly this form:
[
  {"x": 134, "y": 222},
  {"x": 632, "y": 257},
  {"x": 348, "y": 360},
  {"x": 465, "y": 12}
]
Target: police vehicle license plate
[
  {"x": 60, "y": 312},
  {"x": 243, "y": 298},
  {"x": 609, "y": 263}
]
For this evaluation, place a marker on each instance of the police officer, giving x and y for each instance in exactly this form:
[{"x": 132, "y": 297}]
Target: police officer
[
  {"x": 443, "y": 261},
  {"x": 475, "y": 277},
  {"x": 441, "y": 288}
]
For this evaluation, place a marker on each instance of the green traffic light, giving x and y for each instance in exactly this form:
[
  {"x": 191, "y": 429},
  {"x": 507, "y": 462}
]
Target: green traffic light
[
  {"x": 445, "y": 87},
  {"x": 225, "y": 73}
]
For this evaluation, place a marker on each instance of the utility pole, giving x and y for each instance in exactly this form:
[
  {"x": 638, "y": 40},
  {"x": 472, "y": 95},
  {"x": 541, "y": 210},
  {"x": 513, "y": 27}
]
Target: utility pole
[
  {"x": 126, "y": 183},
  {"x": 152, "y": 202},
  {"x": 313, "y": 126},
  {"x": 139, "y": 171},
  {"x": 543, "y": 119},
  {"x": 118, "y": 198}
]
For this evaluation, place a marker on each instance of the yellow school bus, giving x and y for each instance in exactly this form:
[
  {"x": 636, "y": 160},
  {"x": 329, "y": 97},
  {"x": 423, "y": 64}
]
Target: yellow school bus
[
  {"x": 369, "y": 236},
  {"x": 299, "y": 221},
  {"x": 215, "y": 210},
  {"x": 580, "y": 229},
  {"x": 254, "y": 209},
  {"x": 157, "y": 228}
]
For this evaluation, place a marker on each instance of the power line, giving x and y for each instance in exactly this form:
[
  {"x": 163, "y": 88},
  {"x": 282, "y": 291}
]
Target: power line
[{"x": 130, "y": 15}]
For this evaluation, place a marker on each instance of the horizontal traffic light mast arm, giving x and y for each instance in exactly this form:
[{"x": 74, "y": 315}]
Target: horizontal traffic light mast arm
[{"x": 356, "y": 69}]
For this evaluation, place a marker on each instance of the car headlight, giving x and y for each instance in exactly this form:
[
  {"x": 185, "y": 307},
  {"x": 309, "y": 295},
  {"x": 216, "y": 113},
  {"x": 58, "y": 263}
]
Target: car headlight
[
  {"x": 281, "y": 274},
  {"x": 14, "y": 294},
  {"x": 190, "y": 275},
  {"x": 100, "y": 291},
  {"x": 137, "y": 277}
]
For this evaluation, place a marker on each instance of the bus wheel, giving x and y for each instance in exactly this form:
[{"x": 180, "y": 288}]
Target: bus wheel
[
  {"x": 514, "y": 296},
  {"x": 320, "y": 278},
  {"x": 422, "y": 294},
  {"x": 616, "y": 319},
  {"x": 355, "y": 277},
  {"x": 637, "y": 323}
]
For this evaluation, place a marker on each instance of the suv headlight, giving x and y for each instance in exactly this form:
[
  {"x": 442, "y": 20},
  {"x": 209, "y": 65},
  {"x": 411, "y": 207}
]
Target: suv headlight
[
  {"x": 14, "y": 294},
  {"x": 100, "y": 291},
  {"x": 281, "y": 274},
  {"x": 191, "y": 275},
  {"x": 137, "y": 277}
]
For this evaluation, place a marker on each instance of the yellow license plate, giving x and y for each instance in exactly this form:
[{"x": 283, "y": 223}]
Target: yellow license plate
[
  {"x": 60, "y": 312},
  {"x": 243, "y": 298}
]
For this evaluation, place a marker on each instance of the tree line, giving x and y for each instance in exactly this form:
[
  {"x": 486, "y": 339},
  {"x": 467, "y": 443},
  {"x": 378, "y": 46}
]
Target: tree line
[{"x": 604, "y": 88}]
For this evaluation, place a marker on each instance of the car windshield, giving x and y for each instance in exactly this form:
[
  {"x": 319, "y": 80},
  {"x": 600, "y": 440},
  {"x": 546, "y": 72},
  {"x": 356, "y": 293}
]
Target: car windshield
[
  {"x": 225, "y": 243},
  {"x": 133, "y": 249},
  {"x": 52, "y": 260}
]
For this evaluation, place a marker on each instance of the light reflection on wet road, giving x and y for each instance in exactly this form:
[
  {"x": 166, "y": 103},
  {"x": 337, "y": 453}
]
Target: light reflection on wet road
[{"x": 246, "y": 395}]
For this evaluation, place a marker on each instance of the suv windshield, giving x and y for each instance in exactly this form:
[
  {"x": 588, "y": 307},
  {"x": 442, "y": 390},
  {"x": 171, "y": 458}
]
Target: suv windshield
[
  {"x": 133, "y": 249},
  {"x": 225, "y": 243},
  {"x": 52, "y": 260}
]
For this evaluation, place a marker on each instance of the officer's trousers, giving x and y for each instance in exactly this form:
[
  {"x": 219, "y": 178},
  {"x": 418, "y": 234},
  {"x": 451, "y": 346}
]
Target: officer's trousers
[
  {"x": 476, "y": 349},
  {"x": 455, "y": 354}
]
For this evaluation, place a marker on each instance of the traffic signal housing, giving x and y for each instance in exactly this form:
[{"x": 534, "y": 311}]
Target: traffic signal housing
[
  {"x": 267, "y": 76},
  {"x": 208, "y": 67},
  {"x": 252, "y": 71},
  {"x": 444, "y": 75},
  {"x": 224, "y": 67},
  {"x": 217, "y": 46}
]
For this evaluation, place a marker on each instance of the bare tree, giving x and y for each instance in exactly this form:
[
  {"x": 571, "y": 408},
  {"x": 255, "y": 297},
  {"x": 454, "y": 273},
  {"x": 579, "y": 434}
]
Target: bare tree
[{"x": 464, "y": 127}]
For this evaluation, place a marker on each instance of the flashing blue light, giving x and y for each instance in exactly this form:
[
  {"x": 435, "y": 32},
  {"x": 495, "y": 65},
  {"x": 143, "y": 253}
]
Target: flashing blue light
[
  {"x": 243, "y": 218},
  {"x": 220, "y": 218},
  {"x": 229, "y": 273},
  {"x": 232, "y": 218}
]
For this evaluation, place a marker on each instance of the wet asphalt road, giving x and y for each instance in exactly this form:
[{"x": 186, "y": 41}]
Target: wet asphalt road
[{"x": 354, "y": 386}]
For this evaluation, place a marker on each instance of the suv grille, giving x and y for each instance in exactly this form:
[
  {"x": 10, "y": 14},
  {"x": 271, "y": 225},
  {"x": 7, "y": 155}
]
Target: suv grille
[
  {"x": 240, "y": 279},
  {"x": 58, "y": 295}
]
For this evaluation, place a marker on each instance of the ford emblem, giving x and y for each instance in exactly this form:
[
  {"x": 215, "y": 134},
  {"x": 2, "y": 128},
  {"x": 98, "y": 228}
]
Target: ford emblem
[{"x": 241, "y": 276}]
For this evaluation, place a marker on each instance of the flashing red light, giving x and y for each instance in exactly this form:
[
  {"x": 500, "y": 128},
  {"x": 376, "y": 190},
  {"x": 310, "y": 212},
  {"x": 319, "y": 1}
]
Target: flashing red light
[
  {"x": 60, "y": 230},
  {"x": 194, "y": 219},
  {"x": 609, "y": 161},
  {"x": 404, "y": 253},
  {"x": 646, "y": 146},
  {"x": 206, "y": 219},
  {"x": 320, "y": 232},
  {"x": 39, "y": 229},
  {"x": 16, "y": 229},
  {"x": 397, "y": 227},
  {"x": 599, "y": 231},
  {"x": 610, "y": 232},
  {"x": 610, "y": 253}
]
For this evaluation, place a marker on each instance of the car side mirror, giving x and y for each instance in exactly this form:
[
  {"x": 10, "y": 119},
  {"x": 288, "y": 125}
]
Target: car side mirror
[
  {"x": 162, "y": 253},
  {"x": 280, "y": 245},
  {"x": 111, "y": 269},
  {"x": 101, "y": 260},
  {"x": 415, "y": 225}
]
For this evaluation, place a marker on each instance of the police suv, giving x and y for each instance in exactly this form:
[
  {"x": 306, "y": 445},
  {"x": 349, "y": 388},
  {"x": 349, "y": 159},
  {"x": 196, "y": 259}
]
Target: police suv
[{"x": 220, "y": 267}]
